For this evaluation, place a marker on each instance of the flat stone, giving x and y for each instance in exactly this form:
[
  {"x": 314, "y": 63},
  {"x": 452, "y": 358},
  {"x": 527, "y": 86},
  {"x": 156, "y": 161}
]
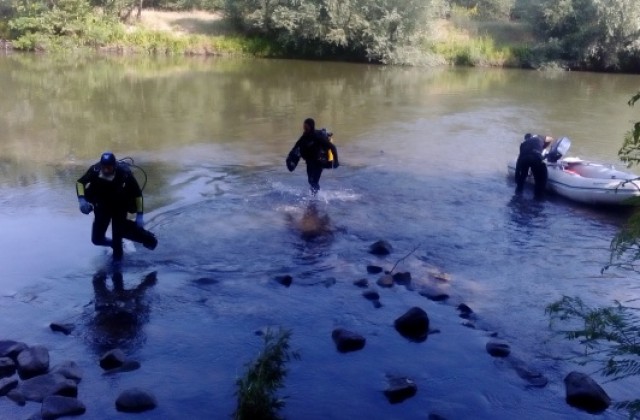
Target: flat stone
[
  {"x": 380, "y": 248},
  {"x": 385, "y": 281},
  {"x": 112, "y": 359},
  {"x": 69, "y": 370},
  {"x": 584, "y": 393},
  {"x": 498, "y": 349},
  {"x": 135, "y": 400},
  {"x": 347, "y": 341},
  {"x": 65, "y": 329},
  {"x": 374, "y": 269},
  {"x": 7, "y": 367},
  {"x": 402, "y": 279},
  {"x": 33, "y": 361},
  {"x": 15, "y": 396},
  {"x": 371, "y": 295},
  {"x": 55, "y": 406},
  {"x": 40, "y": 387},
  {"x": 400, "y": 389},
  {"x": 284, "y": 280},
  {"x": 127, "y": 366},
  {"x": 6, "y": 385},
  {"x": 362, "y": 283},
  {"x": 534, "y": 378},
  {"x": 413, "y": 324}
]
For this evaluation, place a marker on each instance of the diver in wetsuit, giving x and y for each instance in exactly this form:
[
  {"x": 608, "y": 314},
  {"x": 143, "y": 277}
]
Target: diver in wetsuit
[
  {"x": 110, "y": 190},
  {"x": 531, "y": 157},
  {"x": 313, "y": 146}
]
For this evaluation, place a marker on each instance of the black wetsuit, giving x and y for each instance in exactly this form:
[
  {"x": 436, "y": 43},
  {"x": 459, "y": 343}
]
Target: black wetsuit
[
  {"x": 531, "y": 157},
  {"x": 313, "y": 147},
  {"x": 112, "y": 199}
]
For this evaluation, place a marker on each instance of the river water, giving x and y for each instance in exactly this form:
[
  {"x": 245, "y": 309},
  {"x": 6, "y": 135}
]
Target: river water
[{"x": 423, "y": 156}]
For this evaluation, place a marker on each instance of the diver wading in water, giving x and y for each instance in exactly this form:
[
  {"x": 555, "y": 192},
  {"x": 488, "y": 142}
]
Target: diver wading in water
[
  {"x": 315, "y": 147},
  {"x": 110, "y": 190}
]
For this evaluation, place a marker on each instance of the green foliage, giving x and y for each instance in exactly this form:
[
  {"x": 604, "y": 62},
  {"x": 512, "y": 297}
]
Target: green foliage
[
  {"x": 487, "y": 9},
  {"x": 257, "y": 389},
  {"x": 610, "y": 335},
  {"x": 356, "y": 29},
  {"x": 594, "y": 34}
]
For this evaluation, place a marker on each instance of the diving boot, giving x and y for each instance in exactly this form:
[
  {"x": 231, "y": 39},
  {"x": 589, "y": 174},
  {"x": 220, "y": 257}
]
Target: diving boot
[{"x": 150, "y": 241}]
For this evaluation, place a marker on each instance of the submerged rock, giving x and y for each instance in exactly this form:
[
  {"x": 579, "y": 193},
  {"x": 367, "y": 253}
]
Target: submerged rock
[
  {"x": 438, "y": 275},
  {"x": 400, "y": 389},
  {"x": 7, "y": 367},
  {"x": 33, "y": 361},
  {"x": 15, "y": 396},
  {"x": 585, "y": 393},
  {"x": 127, "y": 366},
  {"x": 465, "y": 311},
  {"x": 285, "y": 280},
  {"x": 6, "y": 385},
  {"x": 377, "y": 304},
  {"x": 135, "y": 400},
  {"x": 347, "y": 341},
  {"x": 69, "y": 370},
  {"x": 65, "y": 329},
  {"x": 534, "y": 378},
  {"x": 40, "y": 387},
  {"x": 498, "y": 349},
  {"x": 402, "y": 279},
  {"x": 371, "y": 295},
  {"x": 55, "y": 406},
  {"x": 11, "y": 349},
  {"x": 374, "y": 269},
  {"x": 380, "y": 248},
  {"x": 413, "y": 325},
  {"x": 112, "y": 359},
  {"x": 385, "y": 281},
  {"x": 362, "y": 283},
  {"x": 433, "y": 293}
]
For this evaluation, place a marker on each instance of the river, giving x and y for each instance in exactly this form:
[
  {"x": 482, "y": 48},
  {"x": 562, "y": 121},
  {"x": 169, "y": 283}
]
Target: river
[{"x": 423, "y": 154}]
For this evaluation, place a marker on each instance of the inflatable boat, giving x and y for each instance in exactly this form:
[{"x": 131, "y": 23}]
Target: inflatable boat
[{"x": 585, "y": 181}]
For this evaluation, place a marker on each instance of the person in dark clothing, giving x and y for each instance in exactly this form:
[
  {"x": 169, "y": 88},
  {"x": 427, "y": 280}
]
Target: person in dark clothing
[
  {"x": 110, "y": 190},
  {"x": 314, "y": 147},
  {"x": 531, "y": 157}
]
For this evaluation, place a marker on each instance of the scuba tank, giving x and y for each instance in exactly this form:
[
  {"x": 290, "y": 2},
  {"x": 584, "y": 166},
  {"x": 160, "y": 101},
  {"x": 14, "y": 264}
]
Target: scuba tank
[{"x": 326, "y": 157}]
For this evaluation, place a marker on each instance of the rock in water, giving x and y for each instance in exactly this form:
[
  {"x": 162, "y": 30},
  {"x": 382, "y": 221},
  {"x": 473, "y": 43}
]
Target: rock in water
[
  {"x": 402, "y": 279},
  {"x": 38, "y": 388},
  {"x": 371, "y": 295},
  {"x": 413, "y": 325},
  {"x": 15, "y": 396},
  {"x": 135, "y": 400},
  {"x": 7, "y": 367},
  {"x": 112, "y": 359},
  {"x": 33, "y": 361},
  {"x": 498, "y": 349},
  {"x": 362, "y": 283},
  {"x": 347, "y": 341},
  {"x": 374, "y": 269},
  {"x": 285, "y": 280},
  {"x": 465, "y": 311},
  {"x": 11, "y": 349},
  {"x": 55, "y": 406},
  {"x": 6, "y": 385},
  {"x": 380, "y": 248},
  {"x": 65, "y": 329},
  {"x": 400, "y": 389},
  {"x": 127, "y": 366},
  {"x": 585, "y": 393},
  {"x": 385, "y": 281},
  {"x": 69, "y": 370}
]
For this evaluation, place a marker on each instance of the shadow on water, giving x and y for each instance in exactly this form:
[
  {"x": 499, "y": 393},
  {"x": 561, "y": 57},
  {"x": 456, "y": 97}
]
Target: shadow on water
[{"x": 120, "y": 312}]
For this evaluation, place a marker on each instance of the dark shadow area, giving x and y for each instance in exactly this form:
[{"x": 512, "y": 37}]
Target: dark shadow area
[{"x": 120, "y": 313}]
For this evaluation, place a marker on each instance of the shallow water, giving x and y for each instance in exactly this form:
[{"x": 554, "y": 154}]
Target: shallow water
[{"x": 423, "y": 156}]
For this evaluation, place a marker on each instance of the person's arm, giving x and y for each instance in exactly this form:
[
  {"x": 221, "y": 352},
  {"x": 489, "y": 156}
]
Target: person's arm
[
  {"x": 81, "y": 183},
  {"x": 136, "y": 192}
]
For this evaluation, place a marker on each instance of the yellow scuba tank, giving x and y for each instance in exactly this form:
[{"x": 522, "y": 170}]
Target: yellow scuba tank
[{"x": 329, "y": 152}]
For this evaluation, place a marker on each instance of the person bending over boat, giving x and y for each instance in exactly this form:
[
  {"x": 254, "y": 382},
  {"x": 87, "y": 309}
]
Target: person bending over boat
[
  {"x": 110, "y": 190},
  {"x": 531, "y": 157},
  {"x": 314, "y": 147}
]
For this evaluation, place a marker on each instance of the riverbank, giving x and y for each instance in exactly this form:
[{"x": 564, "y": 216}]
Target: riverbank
[{"x": 459, "y": 42}]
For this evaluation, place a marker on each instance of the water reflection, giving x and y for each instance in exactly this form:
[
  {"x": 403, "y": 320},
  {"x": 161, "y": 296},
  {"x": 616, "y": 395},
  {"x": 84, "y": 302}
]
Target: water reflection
[
  {"x": 120, "y": 313},
  {"x": 526, "y": 214}
]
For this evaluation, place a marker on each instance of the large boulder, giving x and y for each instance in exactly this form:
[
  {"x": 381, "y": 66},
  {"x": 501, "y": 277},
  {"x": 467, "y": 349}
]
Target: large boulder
[
  {"x": 55, "y": 406},
  {"x": 69, "y": 370},
  {"x": 400, "y": 389},
  {"x": 347, "y": 341},
  {"x": 112, "y": 359},
  {"x": 33, "y": 361},
  {"x": 585, "y": 393},
  {"x": 413, "y": 325},
  {"x": 135, "y": 400},
  {"x": 380, "y": 248},
  {"x": 7, "y": 367},
  {"x": 6, "y": 385},
  {"x": 38, "y": 388}
]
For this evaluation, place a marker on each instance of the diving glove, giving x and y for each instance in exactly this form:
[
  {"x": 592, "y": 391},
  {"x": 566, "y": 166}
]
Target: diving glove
[
  {"x": 85, "y": 206},
  {"x": 139, "y": 220}
]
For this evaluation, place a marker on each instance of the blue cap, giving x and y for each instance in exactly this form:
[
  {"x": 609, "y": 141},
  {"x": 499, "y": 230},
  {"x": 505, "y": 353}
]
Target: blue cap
[{"x": 108, "y": 159}]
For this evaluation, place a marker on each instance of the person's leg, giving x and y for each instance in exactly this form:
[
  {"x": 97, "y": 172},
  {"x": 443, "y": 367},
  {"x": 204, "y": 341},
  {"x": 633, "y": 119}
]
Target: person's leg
[
  {"x": 134, "y": 233},
  {"x": 117, "y": 228},
  {"x": 313, "y": 174},
  {"x": 99, "y": 228},
  {"x": 540, "y": 175},
  {"x": 522, "y": 171}
]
